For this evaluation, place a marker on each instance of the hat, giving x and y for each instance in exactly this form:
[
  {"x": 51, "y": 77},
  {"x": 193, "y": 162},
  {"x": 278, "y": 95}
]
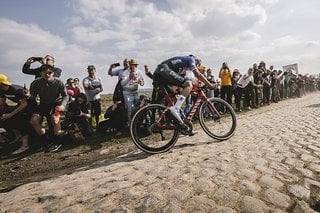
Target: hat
[
  {"x": 133, "y": 62},
  {"x": 4, "y": 80},
  {"x": 91, "y": 67},
  {"x": 236, "y": 71},
  {"x": 202, "y": 68}
]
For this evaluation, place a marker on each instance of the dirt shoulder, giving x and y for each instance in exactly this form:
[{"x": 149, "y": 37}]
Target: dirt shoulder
[{"x": 35, "y": 165}]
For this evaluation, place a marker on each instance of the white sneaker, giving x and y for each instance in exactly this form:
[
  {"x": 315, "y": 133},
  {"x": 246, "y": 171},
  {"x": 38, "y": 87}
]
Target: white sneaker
[
  {"x": 20, "y": 150},
  {"x": 175, "y": 112}
]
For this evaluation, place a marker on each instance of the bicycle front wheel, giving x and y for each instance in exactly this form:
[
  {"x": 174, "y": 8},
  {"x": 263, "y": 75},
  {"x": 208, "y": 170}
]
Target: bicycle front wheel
[
  {"x": 153, "y": 130},
  {"x": 218, "y": 120}
]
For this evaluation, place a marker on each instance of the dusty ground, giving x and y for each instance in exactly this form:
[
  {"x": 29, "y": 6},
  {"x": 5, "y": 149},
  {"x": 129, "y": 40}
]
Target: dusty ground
[{"x": 35, "y": 165}]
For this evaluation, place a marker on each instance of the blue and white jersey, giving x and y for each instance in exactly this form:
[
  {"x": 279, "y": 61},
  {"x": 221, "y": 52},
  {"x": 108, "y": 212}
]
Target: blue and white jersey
[{"x": 181, "y": 64}]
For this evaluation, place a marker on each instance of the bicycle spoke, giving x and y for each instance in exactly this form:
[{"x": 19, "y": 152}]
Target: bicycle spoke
[{"x": 219, "y": 121}]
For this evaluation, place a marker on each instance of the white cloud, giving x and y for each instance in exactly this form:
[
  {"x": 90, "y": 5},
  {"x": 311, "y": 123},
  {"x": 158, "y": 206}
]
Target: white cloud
[
  {"x": 241, "y": 32},
  {"x": 21, "y": 41}
]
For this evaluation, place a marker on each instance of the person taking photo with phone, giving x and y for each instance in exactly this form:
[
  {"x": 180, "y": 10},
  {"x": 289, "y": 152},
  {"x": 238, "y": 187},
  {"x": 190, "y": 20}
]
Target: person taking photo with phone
[
  {"x": 112, "y": 71},
  {"x": 48, "y": 60}
]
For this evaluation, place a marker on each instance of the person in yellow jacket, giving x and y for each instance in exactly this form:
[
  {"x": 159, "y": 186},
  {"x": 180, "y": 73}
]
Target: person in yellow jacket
[{"x": 225, "y": 75}]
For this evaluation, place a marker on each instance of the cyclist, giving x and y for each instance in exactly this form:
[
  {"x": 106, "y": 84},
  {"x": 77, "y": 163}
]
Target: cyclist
[{"x": 180, "y": 71}]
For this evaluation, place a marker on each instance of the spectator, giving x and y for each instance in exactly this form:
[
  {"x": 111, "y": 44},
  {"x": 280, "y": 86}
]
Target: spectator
[
  {"x": 210, "y": 78},
  {"x": 235, "y": 78},
  {"x": 244, "y": 86},
  {"x": 262, "y": 66},
  {"x": 79, "y": 112},
  {"x": 116, "y": 119},
  {"x": 225, "y": 75},
  {"x": 72, "y": 89},
  {"x": 132, "y": 78},
  {"x": 275, "y": 85},
  {"x": 270, "y": 71},
  {"x": 48, "y": 60},
  {"x": 17, "y": 118},
  {"x": 266, "y": 87},
  {"x": 258, "y": 91},
  {"x": 7, "y": 134},
  {"x": 118, "y": 91},
  {"x": 92, "y": 85},
  {"x": 53, "y": 100},
  {"x": 76, "y": 81}
]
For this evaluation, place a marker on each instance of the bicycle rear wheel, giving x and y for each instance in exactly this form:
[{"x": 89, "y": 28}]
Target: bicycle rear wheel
[
  {"x": 153, "y": 130},
  {"x": 219, "y": 124}
]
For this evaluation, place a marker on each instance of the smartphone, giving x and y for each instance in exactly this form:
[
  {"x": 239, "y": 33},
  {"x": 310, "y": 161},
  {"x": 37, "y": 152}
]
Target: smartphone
[
  {"x": 116, "y": 64},
  {"x": 37, "y": 58}
]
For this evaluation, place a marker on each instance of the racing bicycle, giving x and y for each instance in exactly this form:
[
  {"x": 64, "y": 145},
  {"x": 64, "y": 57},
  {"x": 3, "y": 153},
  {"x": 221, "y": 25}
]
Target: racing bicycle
[{"x": 154, "y": 129}]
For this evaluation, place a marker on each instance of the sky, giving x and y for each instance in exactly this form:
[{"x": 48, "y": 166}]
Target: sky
[{"x": 79, "y": 33}]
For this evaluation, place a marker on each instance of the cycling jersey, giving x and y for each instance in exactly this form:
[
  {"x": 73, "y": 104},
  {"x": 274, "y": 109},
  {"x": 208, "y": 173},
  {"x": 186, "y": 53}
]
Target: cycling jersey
[
  {"x": 173, "y": 71},
  {"x": 180, "y": 64}
]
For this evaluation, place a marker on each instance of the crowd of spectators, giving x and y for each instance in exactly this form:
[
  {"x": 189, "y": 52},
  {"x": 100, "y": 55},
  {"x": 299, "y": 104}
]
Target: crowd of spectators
[{"x": 72, "y": 104}]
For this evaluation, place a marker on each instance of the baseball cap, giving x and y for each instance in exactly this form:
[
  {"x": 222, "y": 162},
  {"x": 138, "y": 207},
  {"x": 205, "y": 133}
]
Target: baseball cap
[{"x": 4, "y": 80}]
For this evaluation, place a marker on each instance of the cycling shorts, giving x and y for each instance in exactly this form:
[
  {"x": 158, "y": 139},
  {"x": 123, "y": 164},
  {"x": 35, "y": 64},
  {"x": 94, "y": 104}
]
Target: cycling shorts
[{"x": 164, "y": 75}]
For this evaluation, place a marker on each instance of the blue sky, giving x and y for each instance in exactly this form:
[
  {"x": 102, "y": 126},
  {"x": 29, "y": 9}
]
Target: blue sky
[{"x": 100, "y": 32}]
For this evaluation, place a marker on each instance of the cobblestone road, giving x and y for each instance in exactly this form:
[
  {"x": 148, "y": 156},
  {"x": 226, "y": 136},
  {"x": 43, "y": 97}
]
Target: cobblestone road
[{"x": 271, "y": 164}]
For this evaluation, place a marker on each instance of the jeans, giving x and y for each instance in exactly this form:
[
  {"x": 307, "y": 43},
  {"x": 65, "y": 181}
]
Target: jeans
[{"x": 130, "y": 101}]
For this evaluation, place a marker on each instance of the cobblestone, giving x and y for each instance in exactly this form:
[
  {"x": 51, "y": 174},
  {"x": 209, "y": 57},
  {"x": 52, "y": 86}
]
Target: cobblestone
[
  {"x": 276, "y": 198},
  {"x": 299, "y": 191},
  {"x": 271, "y": 164},
  {"x": 270, "y": 182}
]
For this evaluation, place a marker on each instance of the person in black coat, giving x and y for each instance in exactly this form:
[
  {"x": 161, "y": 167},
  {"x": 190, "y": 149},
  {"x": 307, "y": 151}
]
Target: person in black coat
[
  {"x": 48, "y": 59},
  {"x": 79, "y": 112},
  {"x": 115, "y": 119}
]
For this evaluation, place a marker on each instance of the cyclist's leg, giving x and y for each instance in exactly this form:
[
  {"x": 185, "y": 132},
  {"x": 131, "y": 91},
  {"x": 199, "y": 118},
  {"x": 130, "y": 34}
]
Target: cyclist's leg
[{"x": 167, "y": 76}]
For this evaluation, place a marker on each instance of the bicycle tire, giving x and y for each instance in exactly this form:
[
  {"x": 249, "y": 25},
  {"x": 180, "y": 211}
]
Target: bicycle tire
[
  {"x": 222, "y": 126},
  {"x": 146, "y": 136}
]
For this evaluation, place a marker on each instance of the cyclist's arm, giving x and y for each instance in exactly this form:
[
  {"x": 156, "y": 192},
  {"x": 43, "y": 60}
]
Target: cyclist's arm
[{"x": 202, "y": 78}]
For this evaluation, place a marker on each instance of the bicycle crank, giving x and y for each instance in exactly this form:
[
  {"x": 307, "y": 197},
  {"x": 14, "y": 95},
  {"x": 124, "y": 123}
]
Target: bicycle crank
[{"x": 187, "y": 129}]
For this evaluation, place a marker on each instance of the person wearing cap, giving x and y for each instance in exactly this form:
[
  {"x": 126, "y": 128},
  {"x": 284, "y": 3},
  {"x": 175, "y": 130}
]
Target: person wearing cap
[
  {"x": 48, "y": 59},
  {"x": 53, "y": 99},
  {"x": 19, "y": 117},
  {"x": 131, "y": 79},
  {"x": 92, "y": 85}
]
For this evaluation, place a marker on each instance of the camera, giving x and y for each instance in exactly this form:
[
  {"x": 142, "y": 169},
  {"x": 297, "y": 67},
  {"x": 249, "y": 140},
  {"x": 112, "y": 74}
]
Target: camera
[
  {"x": 116, "y": 64},
  {"x": 37, "y": 58}
]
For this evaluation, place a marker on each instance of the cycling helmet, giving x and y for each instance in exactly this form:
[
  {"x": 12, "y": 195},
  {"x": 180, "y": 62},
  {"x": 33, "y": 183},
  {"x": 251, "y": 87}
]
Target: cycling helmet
[{"x": 197, "y": 59}]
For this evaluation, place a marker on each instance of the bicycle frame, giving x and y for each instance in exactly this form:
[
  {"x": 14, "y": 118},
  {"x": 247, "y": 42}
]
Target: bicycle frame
[{"x": 200, "y": 98}]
